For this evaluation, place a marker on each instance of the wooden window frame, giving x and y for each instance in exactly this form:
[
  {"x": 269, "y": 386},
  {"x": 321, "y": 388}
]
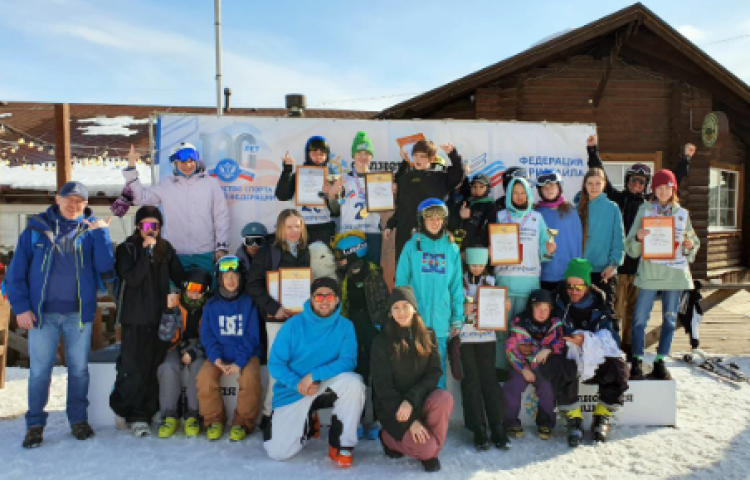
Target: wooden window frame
[{"x": 736, "y": 231}]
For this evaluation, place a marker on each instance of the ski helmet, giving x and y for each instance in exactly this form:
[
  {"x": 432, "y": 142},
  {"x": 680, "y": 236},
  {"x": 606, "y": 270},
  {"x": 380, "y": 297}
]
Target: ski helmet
[
  {"x": 350, "y": 246},
  {"x": 638, "y": 170},
  {"x": 511, "y": 173},
  {"x": 429, "y": 206},
  {"x": 231, "y": 263},
  {"x": 547, "y": 177}
]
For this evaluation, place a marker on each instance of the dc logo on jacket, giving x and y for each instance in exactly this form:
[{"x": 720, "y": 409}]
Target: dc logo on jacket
[
  {"x": 230, "y": 325},
  {"x": 433, "y": 263}
]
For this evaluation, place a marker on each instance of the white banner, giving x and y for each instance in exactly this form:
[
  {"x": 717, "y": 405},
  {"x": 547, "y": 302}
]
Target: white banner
[{"x": 245, "y": 153}]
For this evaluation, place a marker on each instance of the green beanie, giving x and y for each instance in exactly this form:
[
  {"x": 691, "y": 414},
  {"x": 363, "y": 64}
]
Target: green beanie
[
  {"x": 477, "y": 256},
  {"x": 579, "y": 268},
  {"x": 362, "y": 143}
]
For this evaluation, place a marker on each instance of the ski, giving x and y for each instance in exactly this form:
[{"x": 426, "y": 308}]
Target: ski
[{"x": 716, "y": 366}]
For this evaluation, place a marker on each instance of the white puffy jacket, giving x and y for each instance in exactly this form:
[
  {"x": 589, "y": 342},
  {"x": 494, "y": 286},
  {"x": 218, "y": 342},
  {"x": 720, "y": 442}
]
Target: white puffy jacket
[{"x": 196, "y": 216}]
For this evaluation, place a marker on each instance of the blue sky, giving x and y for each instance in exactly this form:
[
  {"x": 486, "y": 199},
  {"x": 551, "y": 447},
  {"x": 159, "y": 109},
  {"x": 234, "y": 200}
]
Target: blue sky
[{"x": 340, "y": 54}]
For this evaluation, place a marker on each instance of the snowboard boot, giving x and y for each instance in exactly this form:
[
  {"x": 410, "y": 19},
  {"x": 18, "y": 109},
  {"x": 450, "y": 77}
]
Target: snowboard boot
[
  {"x": 481, "y": 443},
  {"x": 636, "y": 369},
  {"x": 82, "y": 430},
  {"x": 601, "y": 423},
  {"x": 574, "y": 427},
  {"x": 192, "y": 427},
  {"x": 168, "y": 427},
  {"x": 33, "y": 438},
  {"x": 121, "y": 423},
  {"x": 237, "y": 433},
  {"x": 660, "y": 371},
  {"x": 499, "y": 437},
  {"x": 388, "y": 452},
  {"x": 544, "y": 432},
  {"x": 215, "y": 431},
  {"x": 515, "y": 431}
]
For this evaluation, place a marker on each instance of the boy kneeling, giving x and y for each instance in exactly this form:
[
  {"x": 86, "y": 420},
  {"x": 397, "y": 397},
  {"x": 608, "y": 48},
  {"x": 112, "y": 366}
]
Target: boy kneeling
[{"x": 229, "y": 333}]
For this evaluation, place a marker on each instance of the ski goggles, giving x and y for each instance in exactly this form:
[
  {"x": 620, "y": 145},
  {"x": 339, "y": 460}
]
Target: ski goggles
[
  {"x": 324, "y": 297},
  {"x": 185, "y": 155},
  {"x": 548, "y": 179},
  {"x": 576, "y": 288},
  {"x": 194, "y": 287},
  {"x": 148, "y": 226},
  {"x": 639, "y": 169},
  {"x": 228, "y": 264},
  {"x": 435, "y": 213},
  {"x": 253, "y": 241},
  {"x": 638, "y": 180},
  {"x": 519, "y": 173}
]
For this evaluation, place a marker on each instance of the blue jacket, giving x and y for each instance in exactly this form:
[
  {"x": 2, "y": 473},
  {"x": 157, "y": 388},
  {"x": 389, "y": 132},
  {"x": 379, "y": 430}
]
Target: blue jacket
[
  {"x": 307, "y": 343},
  {"x": 28, "y": 279},
  {"x": 590, "y": 314},
  {"x": 432, "y": 268},
  {"x": 605, "y": 237},
  {"x": 568, "y": 241},
  {"x": 229, "y": 330}
]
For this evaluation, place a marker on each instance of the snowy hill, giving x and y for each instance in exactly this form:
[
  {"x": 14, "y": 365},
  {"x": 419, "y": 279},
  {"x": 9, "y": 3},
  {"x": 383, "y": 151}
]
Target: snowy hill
[{"x": 712, "y": 440}]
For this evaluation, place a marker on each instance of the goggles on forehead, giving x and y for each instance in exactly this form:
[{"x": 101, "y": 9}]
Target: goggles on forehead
[
  {"x": 149, "y": 226},
  {"x": 519, "y": 173},
  {"x": 185, "y": 155},
  {"x": 254, "y": 241},
  {"x": 639, "y": 170},
  {"x": 194, "y": 287},
  {"x": 548, "y": 178},
  {"x": 228, "y": 264}
]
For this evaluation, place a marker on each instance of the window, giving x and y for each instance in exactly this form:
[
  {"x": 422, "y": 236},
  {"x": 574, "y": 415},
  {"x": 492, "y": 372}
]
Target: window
[
  {"x": 722, "y": 199},
  {"x": 616, "y": 172}
]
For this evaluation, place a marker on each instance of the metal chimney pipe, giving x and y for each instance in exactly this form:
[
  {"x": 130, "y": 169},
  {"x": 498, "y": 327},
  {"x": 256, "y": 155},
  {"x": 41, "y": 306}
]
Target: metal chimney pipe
[
  {"x": 295, "y": 104},
  {"x": 227, "y": 94}
]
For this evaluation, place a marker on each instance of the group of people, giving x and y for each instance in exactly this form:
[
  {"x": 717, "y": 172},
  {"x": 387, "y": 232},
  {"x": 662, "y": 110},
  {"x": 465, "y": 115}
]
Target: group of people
[{"x": 191, "y": 312}]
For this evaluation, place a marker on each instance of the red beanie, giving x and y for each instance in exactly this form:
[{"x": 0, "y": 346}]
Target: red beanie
[{"x": 663, "y": 177}]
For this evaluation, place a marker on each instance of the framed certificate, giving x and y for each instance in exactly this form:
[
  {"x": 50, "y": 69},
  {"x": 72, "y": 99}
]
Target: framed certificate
[
  {"x": 309, "y": 186},
  {"x": 659, "y": 243},
  {"x": 491, "y": 313},
  {"x": 407, "y": 143},
  {"x": 272, "y": 284},
  {"x": 505, "y": 244},
  {"x": 379, "y": 192},
  {"x": 294, "y": 287}
]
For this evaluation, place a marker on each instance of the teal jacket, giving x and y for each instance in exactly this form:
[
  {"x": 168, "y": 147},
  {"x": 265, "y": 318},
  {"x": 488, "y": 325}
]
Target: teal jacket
[
  {"x": 605, "y": 235},
  {"x": 522, "y": 286},
  {"x": 432, "y": 268}
]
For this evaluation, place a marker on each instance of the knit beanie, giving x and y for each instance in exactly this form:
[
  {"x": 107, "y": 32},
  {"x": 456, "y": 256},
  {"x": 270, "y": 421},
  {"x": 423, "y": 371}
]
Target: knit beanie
[
  {"x": 402, "y": 293},
  {"x": 147, "y": 211},
  {"x": 325, "y": 282},
  {"x": 579, "y": 268},
  {"x": 663, "y": 177},
  {"x": 477, "y": 256},
  {"x": 362, "y": 143}
]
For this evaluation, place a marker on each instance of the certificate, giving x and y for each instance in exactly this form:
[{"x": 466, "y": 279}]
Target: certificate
[
  {"x": 272, "y": 284},
  {"x": 379, "y": 192},
  {"x": 491, "y": 313},
  {"x": 407, "y": 143},
  {"x": 658, "y": 244},
  {"x": 310, "y": 186},
  {"x": 294, "y": 288},
  {"x": 505, "y": 244}
]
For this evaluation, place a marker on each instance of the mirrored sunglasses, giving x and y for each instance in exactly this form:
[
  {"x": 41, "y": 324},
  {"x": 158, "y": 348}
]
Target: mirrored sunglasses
[
  {"x": 149, "y": 226},
  {"x": 577, "y": 288},
  {"x": 327, "y": 297}
]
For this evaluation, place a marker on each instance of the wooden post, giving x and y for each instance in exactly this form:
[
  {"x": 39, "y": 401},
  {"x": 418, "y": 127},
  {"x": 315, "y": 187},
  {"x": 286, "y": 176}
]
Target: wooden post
[{"x": 62, "y": 144}]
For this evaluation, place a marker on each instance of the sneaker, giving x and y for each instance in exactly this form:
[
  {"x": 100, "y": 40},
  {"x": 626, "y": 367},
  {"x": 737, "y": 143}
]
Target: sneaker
[
  {"x": 373, "y": 433},
  {"x": 481, "y": 442},
  {"x": 121, "y": 423},
  {"x": 545, "y": 432},
  {"x": 515, "y": 431},
  {"x": 192, "y": 427},
  {"x": 341, "y": 457},
  {"x": 141, "y": 429},
  {"x": 388, "y": 452},
  {"x": 215, "y": 431},
  {"x": 33, "y": 438},
  {"x": 82, "y": 431},
  {"x": 168, "y": 427},
  {"x": 636, "y": 369},
  {"x": 660, "y": 371},
  {"x": 237, "y": 433},
  {"x": 360, "y": 431},
  {"x": 431, "y": 465},
  {"x": 500, "y": 438}
]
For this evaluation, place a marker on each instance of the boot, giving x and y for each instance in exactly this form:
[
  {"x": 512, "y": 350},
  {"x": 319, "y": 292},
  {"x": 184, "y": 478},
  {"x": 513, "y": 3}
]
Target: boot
[
  {"x": 544, "y": 431},
  {"x": 141, "y": 429},
  {"x": 431, "y": 465},
  {"x": 660, "y": 371},
  {"x": 33, "y": 438},
  {"x": 82, "y": 431},
  {"x": 636, "y": 369},
  {"x": 237, "y": 433},
  {"x": 388, "y": 452},
  {"x": 192, "y": 427},
  {"x": 481, "y": 442},
  {"x": 168, "y": 427},
  {"x": 574, "y": 427},
  {"x": 499, "y": 437},
  {"x": 373, "y": 433},
  {"x": 215, "y": 431},
  {"x": 343, "y": 457},
  {"x": 515, "y": 431},
  {"x": 601, "y": 423}
]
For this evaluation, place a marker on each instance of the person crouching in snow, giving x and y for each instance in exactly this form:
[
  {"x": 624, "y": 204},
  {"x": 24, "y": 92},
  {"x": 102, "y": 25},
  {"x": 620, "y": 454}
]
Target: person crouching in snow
[
  {"x": 534, "y": 335},
  {"x": 312, "y": 360},
  {"x": 591, "y": 342},
  {"x": 405, "y": 371},
  {"x": 230, "y": 335},
  {"x": 186, "y": 353},
  {"x": 364, "y": 296}
]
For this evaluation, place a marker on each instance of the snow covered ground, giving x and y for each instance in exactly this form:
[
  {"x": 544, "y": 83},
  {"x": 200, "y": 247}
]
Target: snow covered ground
[{"x": 712, "y": 440}]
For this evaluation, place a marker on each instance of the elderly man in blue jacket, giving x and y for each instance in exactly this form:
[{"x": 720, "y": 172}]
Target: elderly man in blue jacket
[{"x": 52, "y": 286}]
